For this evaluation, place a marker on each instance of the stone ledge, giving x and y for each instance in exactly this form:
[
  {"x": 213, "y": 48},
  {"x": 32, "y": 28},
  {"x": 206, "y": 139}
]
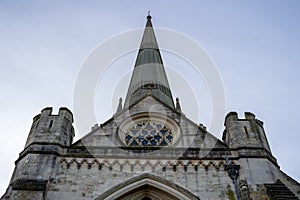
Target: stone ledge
[{"x": 29, "y": 184}]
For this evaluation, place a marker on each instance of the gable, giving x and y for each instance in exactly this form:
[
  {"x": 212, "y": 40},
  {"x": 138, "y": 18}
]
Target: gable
[{"x": 190, "y": 135}]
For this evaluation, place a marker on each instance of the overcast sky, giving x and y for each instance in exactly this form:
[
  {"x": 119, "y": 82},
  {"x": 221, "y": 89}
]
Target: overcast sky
[{"x": 254, "y": 44}]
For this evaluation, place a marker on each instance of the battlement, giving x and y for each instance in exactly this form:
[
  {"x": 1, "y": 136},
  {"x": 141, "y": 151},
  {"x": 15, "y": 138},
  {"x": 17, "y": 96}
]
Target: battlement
[
  {"x": 63, "y": 111},
  {"x": 248, "y": 116},
  {"x": 52, "y": 128},
  {"x": 233, "y": 116},
  {"x": 46, "y": 112},
  {"x": 244, "y": 132}
]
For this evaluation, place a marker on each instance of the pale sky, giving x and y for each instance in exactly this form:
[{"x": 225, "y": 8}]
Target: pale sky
[{"x": 254, "y": 44}]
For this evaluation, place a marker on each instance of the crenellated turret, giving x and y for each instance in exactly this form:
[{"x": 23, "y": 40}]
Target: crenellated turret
[
  {"x": 37, "y": 163},
  {"x": 247, "y": 137},
  {"x": 248, "y": 132},
  {"x": 52, "y": 129}
]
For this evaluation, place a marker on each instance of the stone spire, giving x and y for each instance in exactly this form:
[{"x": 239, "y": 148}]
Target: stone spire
[{"x": 149, "y": 76}]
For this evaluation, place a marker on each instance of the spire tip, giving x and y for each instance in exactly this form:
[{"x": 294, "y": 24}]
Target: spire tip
[{"x": 149, "y": 16}]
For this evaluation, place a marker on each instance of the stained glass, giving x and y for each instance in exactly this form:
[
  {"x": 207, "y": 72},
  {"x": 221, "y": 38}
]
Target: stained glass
[
  {"x": 149, "y": 133},
  {"x": 128, "y": 137}
]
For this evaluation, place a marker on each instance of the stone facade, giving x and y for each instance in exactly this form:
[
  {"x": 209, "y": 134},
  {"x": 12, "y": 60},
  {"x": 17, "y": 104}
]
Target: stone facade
[
  {"x": 127, "y": 157},
  {"x": 89, "y": 169}
]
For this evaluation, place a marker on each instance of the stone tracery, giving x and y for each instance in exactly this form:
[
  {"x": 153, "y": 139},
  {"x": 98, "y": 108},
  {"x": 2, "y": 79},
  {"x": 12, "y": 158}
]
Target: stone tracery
[{"x": 149, "y": 133}]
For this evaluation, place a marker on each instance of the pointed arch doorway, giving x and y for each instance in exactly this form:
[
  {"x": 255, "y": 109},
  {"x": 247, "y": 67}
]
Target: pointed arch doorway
[
  {"x": 147, "y": 187},
  {"x": 147, "y": 193}
]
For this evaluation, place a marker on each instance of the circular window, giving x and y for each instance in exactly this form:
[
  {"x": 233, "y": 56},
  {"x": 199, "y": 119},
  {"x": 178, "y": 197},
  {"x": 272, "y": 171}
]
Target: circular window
[{"x": 148, "y": 132}]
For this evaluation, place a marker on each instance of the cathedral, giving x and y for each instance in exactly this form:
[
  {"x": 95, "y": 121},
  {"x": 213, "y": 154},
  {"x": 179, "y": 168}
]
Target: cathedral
[{"x": 148, "y": 150}]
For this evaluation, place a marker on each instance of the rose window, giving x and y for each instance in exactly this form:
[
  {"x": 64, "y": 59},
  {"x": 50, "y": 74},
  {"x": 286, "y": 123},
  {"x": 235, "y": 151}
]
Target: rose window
[{"x": 148, "y": 134}]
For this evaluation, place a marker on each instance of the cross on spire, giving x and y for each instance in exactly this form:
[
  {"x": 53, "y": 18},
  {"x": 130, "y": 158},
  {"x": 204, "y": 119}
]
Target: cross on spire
[{"x": 149, "y": 16}]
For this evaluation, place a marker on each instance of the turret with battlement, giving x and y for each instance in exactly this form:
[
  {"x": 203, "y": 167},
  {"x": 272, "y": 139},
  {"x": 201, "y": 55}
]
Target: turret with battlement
[
  {"x": 37, "y": 163},
  {"x": 248, "y": 132},
  {"x": 52, "y": 129},
  {"x": 248, "y": 139}
]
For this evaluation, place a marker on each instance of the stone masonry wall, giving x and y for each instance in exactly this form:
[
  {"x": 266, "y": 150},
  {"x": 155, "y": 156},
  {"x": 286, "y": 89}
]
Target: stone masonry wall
[{"x": 88, "y": 181}]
